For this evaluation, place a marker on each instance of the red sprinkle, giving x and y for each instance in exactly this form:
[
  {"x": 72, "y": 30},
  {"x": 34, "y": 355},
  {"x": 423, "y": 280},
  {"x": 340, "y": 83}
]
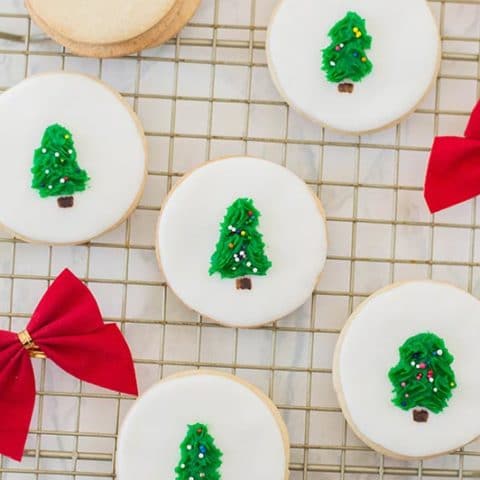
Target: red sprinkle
[{"x": 422, "y": 365}]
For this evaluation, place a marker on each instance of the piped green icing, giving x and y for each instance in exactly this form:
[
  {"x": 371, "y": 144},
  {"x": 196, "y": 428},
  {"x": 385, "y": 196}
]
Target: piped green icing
[
  {"x": 55, "y": 169},
  {"x": 200, "y": 459},
  {"x": 240, "y": 248},
  {"x": 423, "y": 376},
  {"x": 345, "y": 57}
]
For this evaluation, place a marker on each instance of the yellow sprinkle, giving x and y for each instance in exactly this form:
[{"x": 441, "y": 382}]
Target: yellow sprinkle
[
  {"x": 355, "y": 29},
  {"x": 358, "y": 34},
  {"x": 364, "y": 59},
  {"x": 67, "y": 136},
  {"x": 243, "y": 233}
]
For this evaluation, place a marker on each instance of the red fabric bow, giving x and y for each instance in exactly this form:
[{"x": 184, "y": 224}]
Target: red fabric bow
[
  {"x": 453, "y": 173},
  {"x": 67, "y": 327}
]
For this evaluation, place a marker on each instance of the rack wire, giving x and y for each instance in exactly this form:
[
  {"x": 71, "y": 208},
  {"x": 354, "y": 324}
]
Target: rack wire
[{"x": 203, "y": 95}]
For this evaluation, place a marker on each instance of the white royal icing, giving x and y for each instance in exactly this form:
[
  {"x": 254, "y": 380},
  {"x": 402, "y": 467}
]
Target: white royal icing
[
  {"x": 246, "y": 427},
  {"x": 369, "y": 348},
  {"x": 109, "y": 143},
  {"x": 293, "y": 229},
  {"x": 405, "y": 54}
]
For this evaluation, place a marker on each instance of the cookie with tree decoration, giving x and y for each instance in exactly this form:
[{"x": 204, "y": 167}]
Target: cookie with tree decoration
[
  {"x": 355, "y": 67},
  {"x": 405, "y": 369},
  {"x": 233, "y": 233},
  {"x": 74, "y": 163},
  {"x": 203, "y": 425}
]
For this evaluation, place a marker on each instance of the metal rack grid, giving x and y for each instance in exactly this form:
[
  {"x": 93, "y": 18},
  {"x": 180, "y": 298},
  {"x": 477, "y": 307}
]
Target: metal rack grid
[{"x": 75, "y": 426}]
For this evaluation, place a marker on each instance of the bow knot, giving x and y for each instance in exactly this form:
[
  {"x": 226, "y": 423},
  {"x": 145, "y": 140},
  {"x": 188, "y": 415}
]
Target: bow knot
[
  {"x": 67, "y": 327},
  {"x": 29, "y": 345},
  {"x": 453, "y": 172}
]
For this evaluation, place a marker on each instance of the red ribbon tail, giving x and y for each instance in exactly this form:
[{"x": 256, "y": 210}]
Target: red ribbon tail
[{"x": 453, "y": 172}]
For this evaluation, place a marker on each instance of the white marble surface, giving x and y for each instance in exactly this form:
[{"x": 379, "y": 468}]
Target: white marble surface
[{"x": 380, "y": 231}]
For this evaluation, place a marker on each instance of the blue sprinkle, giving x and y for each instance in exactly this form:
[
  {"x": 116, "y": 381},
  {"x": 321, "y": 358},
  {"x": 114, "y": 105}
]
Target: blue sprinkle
[
  {"x": 355, "y": 54},
  {"x": 404, "y": 404},
  {"x": 202, "y": 449}
]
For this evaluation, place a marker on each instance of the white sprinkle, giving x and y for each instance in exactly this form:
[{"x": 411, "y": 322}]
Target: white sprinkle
[
  {"x": 201, "y": 455},
  {"x": 50, "y": 187},
  {"x": 332, "y": 63},
  {"x": 342, "y": 45},
  {"x": 439, "y": 352},
  {"x": 249, "y": 264},
  {"x": 430, "y": 380},
  {"x": 70, "y": 151},
  {"x": 191, "y": 478},
  {"x": 237, "y": 259},
  {"x": 412, "y": 363},
  {"x": 57, "y": 154},
  {"x": 255, "y": 270},
  {"x": 182, "y": 465},
  {"x": 418, "y": 365},
  {"x": 44, "y": 150},
  {"x": 47, "y": 171},
  {"x": 189, "y": 447},
  {"x": 435, "y": 389},
  {"x": 62, "y": 180}
]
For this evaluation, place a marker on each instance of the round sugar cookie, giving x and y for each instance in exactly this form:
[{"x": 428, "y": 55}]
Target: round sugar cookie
[
  {"x": 74, "y": 158},
  {"x": 203, "y": 422},
  {"x": 89, "y": 28},
  {"x": 353, "y": 66},
  {"x": 405, "y": 369},
  {"x": 242, "y": 241}
]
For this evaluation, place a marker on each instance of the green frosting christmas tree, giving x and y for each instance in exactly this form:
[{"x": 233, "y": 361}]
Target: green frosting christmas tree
[
  {"x": 423, "y": 376},
  {"x": 345, "y": 57},
  {"x": 240, "y": 249},
  {"x": 200, "y": 458},
  {"x": 55, "y": 169}
]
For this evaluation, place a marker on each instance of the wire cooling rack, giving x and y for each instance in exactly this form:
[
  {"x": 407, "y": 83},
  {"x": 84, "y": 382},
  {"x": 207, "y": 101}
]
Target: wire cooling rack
[{"x": 208, "y": 94}]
